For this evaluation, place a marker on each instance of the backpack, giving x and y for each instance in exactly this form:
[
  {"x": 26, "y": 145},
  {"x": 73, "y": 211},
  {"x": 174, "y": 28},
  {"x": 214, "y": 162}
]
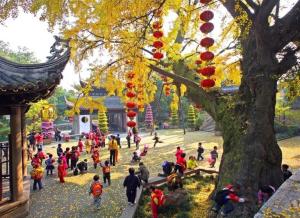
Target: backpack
[
  {"x": 97, "y": 189},
  {"x": 221, "y": 195},
  {"x": 160, "y": 196}
]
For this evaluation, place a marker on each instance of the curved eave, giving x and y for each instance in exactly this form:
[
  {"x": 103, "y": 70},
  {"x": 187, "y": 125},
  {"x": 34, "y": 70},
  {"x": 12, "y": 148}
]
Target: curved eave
[{"x": 30, "y": 78}]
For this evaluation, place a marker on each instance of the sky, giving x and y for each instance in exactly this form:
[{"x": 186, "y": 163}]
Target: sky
[{"x": 28, "y": 31}]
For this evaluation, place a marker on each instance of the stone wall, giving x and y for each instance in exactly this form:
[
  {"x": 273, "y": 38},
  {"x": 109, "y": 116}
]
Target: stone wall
[{"x": 285, "y": 201}]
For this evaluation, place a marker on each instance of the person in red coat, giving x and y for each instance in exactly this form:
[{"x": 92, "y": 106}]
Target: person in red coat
[
  {"x": 36, "y": 161},
  {"x": 157, "y": 200},
  {"x": 61, "y": 170},
  {"x": 80, "y": 145},
  {"x": 181, "y": 164},
  {"x": 96, "y": 157}
]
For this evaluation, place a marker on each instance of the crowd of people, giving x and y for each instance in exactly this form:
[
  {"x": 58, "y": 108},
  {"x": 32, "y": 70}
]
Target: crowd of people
[{"x": 68, "y": 160}]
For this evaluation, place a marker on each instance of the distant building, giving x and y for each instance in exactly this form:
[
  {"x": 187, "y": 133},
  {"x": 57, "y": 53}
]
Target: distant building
[{"x": 116, "y": 113}]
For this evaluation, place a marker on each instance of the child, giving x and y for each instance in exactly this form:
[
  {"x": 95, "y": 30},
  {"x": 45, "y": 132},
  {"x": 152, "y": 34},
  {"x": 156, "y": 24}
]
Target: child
[
  {"x": 144, "y": 152},
  {"x": 285, "y": 171},
  {"x": 181, "y": 164},
  {"x": 37, "y": 175},
  {"x": 36, "y": 161},
  {"x": 178, "y": 152},
  {"x": 82, "y": 166},
  {"x": 157, "y": 200},
  {"x": 192, "y": 163},
  {"x": 61, "y": 171},
  {"x": 106, "y": 172},
  {"x": 118, "y": 140},
  {"x": 223, "y": 200},
  {"x": 174, "y": 182},
  {"x": 74, "y": 158},
  {"x": 68, "y": 156},
  {"x": 88, "y": 145},
  {"x": 96, "y": 157},
  {"x": 167, "y": 168},
  {"x": 128, "y": 137},
  {"x": 143, "y": 173},
  {"x": 135, "y": 157},
  {"x": 41, "y": 154},
  {"x": 213, "y": 157},
  {"x": 200, "y": 151},
  {"x": 59, "y": 150},
  {"x": 264, "y": 193},
  {"x": 49, "y": 164},
  {"x": 80, "y": 145},
  {"x": 96, "y": 191},
  {"x": 156, "y": 139}
]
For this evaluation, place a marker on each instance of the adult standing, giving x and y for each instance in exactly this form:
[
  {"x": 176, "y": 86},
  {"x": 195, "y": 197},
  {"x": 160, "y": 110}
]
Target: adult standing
[
  {"x": 118, "y": 138},
  {"x": 57, "y": 135},
  {"x": 112, "y": 147},
  {"x": 131, "y": 183},
  {"x": 39, "y": 140},
  {"x": 32, "y": 141},
  {"x": 128, "y": 138}
]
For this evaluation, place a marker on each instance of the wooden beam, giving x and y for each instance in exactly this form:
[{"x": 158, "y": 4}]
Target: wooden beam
[{"x": 16, "y": 151}]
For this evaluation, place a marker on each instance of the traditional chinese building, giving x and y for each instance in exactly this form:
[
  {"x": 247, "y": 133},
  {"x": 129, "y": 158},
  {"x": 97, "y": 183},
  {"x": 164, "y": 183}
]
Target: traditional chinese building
[
  {"x": 115, "y": 111},
  {"x": 21, "y": 84}
]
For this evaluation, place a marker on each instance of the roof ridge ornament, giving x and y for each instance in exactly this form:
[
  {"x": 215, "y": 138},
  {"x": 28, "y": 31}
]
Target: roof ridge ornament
[{"x": 59, "y": 47}]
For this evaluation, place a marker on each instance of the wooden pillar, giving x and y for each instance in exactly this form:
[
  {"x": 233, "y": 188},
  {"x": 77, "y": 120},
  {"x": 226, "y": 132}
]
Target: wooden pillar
[
  {"x": 24, "y": 142},
  {"x": 16, "y": 150}
]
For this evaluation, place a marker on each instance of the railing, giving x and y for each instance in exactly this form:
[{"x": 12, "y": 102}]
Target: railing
[
  {"x": 4, "y": 171},
  {"x": 130, "y": 211}
]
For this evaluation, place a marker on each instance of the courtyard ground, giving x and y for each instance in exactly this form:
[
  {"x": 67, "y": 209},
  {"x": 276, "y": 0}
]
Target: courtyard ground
[{"x": 72, "y": 200}]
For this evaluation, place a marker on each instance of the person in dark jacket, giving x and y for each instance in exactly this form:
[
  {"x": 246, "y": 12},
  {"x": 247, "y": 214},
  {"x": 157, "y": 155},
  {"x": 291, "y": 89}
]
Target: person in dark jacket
[
  {"x": 200, "y": 151},
  {"x": 224, "y": 198},
  {"x": 128, "y": 137},
  {"x": 82, "y": 166},
  {"x": 167, "y": 168},
  {"x": 285, "y": 171},
  {"x": 131, "y": 183},
  {"x": 59, "y": 150}
]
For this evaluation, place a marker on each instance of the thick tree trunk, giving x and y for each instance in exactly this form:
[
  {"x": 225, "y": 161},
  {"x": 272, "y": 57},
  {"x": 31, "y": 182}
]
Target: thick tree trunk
[{"x": 251, "y": 155}]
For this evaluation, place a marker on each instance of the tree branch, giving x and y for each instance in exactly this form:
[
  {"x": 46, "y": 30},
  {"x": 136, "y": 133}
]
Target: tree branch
[
  {"x": 199, "y": 94},
  {"x": 287, "y": 29},
  {"x": 289, "y": 60}
]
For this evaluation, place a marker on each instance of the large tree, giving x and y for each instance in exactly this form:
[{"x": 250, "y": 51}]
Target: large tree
[{"x": 265, "y": 39}]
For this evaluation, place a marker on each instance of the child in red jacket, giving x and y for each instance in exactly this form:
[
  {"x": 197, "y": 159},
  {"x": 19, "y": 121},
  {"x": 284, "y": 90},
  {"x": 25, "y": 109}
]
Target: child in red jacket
[
  {"x": 96, "y": 157},
  {"x": 80, "y": 145},
  {"x": 61, "y": 170},
  {"x": 157, "y": 200}
]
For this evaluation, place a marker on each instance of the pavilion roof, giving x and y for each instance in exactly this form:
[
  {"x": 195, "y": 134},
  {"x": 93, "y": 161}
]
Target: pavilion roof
[{"x": 24, "y": 83}]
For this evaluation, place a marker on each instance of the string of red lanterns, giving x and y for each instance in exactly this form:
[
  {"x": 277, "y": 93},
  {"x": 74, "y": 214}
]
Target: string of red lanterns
[
  {"x": 207, "y": 56},
  {"x": 130, "y": 94},
  {"x": 157, "y": 34}
]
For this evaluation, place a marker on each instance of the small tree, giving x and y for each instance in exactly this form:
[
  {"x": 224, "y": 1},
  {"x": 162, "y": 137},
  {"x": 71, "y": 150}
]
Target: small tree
[
  {"x": 174, "y": 117},
  {"x": 191, "y": 117},
  {"x": 149, "y": 116},
  {"x": 102, "y": 121}
]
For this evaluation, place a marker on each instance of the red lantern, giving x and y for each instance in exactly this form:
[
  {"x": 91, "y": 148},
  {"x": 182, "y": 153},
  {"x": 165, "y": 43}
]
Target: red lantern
[
  {"x": 198, "y": 62},
  {"x": 206, "y": 16},
  {"x": 207, "y": 83},
  {"x": 130, "y": 104},
  {"x": 207, "y": 71},
  {"x": 158, "y": 44},
  {"x": 158, "y": 55},
  {"x": 131, "y": 124},
  {"x": 130, "y": 94},
  {"x": 168, "y": 88},
  {"x": 158, "y": 34},
  {"x": 207, "y": 56},
  {"x": 206, "y": 27},
  {"x": 129, "y": 85},
  {"x": 168, "y": 93},
  {"x": 205, "y": 1},
  {"x": 207, "y": 42},
  {"x": 140, "y": 106},
  {"x": 130, "y": 75},
  {"x": 156, "y": 25},
  {"x": 131, "y": 114}
]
